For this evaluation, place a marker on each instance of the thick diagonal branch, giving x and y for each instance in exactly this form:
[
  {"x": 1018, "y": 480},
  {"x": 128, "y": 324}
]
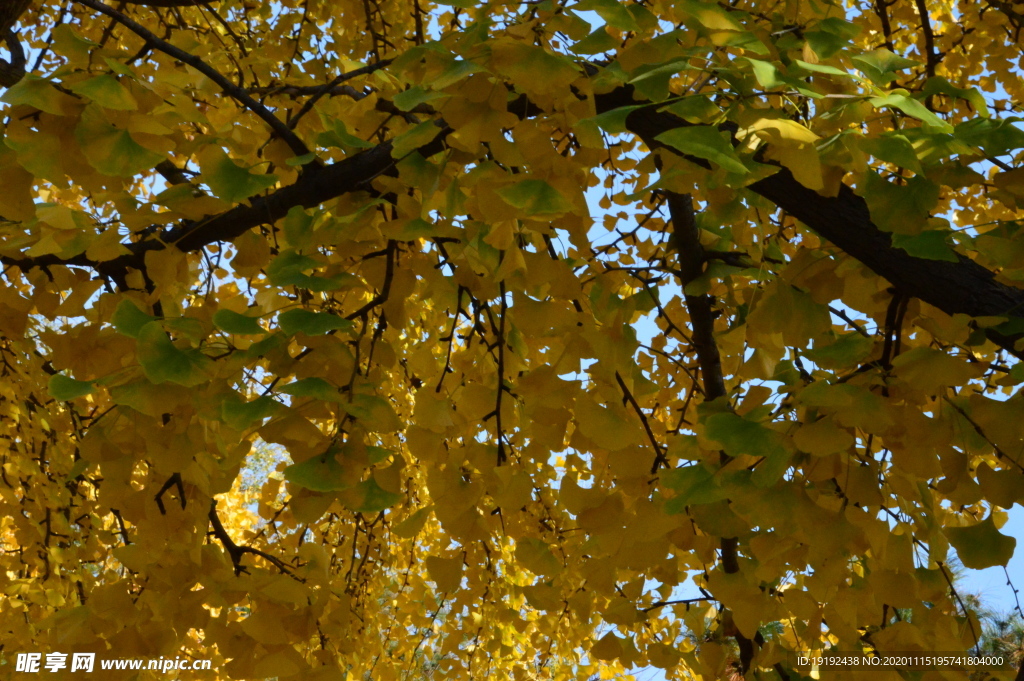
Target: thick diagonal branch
[
  {"x": 961, "y": 287},
  {"x": 352, "y": 174}
]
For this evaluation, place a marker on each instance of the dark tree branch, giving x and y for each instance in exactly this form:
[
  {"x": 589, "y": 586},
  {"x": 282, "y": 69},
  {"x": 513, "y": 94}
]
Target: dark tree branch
[
  {"x": 168, "y": 3},
  {"x": 173, "y": 481},
  {"x": 305, "y": 90},
  {"x": 686, "y": 601},
  {"x": 501, "y": 375},
  {"x": 882, "y": 10},
  {"x": 685, "y": 239},
  {"x": 627, "y": 398},
  {"x": 385, "y": 289},
  {"x": 932, "y": 59},
  {"x": 691, "y": 257},
  {"x": 329, "y": 88},
  {"x": 962, "y": 287},
  {"x": 14, "y": 70},
  {"x": 172, "y": 173},
  {"x": 235, "y": 552}
]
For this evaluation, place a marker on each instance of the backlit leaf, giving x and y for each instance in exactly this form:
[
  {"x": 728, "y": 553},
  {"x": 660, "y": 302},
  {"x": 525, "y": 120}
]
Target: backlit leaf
[
  {"x": 981, "y": 545},
  {"x": 65, "y": 388},
  {"x": 535, "y": 198},
  {"x": 705, "y": 142},
  {"x": 228, "y": 180},
  {"x": 162, "y": 361},
  {"x": 233, "y": 322},
  {"x": 311, "y": 323}
]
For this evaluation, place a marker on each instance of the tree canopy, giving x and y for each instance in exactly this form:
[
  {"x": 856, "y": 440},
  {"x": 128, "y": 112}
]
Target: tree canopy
[{"x": 399, "y": 339}]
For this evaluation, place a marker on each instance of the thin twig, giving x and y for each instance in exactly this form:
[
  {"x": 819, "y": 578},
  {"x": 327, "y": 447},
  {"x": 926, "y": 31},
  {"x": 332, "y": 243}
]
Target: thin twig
[
  {"x": 236, "y": 552},
  {"x": 239, "y": 93},
  {"x": 627, "y": 396},
  {"x": 322, "y": 90}
]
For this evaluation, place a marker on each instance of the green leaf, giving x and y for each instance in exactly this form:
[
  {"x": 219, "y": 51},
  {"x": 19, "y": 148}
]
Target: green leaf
[
  {"x": 301, "y": 160},
  {"x": 377, "y": 454},
  {"x": 535, "y": 198},
  {"x": 162, "y": 362},
  {"x": 187, "y": 327},
  {"x": 106, "y": 91},
  {"x": 77, "y": 469},
  {"x": 417, "y": 228},
  {"x": 369, "y": 497},
  {"x": 709, "y": 15},
  {"x": 314, "y": 387},
  {"x": 229, "y": 181},
  {"x": 375, "y": 413},
  {"x": 109, "y": 149},
  {"x": 128, "y": 319},
  {"x": 893, "y": 148},
  {"x": 614, "y": 13},
  {"x": 652, "y": 80},
  {"x": 596, "y": 43},
  {"x": 311, "y": 323},
  {"x": 35, "y": 92},
  {"x": 694, "y": 485},
  {"x": 68, "y": 43},
  {"x": 825, "y": 43},
  {"x": 913, "y": 108},
  {"x": 458, "y": 70},
  {"x": 704, "y": 141},
  {"x": 981, "y": 546},
  {"x": 119, "y": 67},
  {"x": 263, "y": 347},
  {"x": 937, "y": 85},
  {"x": 337, "y": 135},
  {"x": 822, "y": 68},
  {"x": 235, "y": 323},
  {"x": 297, "y": 227},
  {"x": 930, "y": 245},
  {"x": 901, "y": 209},
  {"x": 240, "y": 414},
  {"x": 614, "y": 122},
  {"x": 413, "y": 97},
  {"x": 766, "y": 73},
  {"x": 289, "y": 267},
  {"x": 322, "y": 473},
  {"x": 535, "y": 555},
  {"x": 695, "y": 109},
  {"x": 847, "y": 350},
  {"x": 881, "y": 66},
  {"x": 414, "y": 138},
  {"x": 847, "y": 30},
  {"x": 996, "y": 136},
  {"x": 64, "y": 388},
  {"x": 738, "y": 436}
]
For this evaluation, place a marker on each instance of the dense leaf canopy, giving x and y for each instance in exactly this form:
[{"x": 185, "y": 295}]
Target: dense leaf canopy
[{"x": 392, "y": 339}]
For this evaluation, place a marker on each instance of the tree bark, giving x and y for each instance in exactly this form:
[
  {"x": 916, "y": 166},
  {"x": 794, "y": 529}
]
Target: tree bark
[{"x": 962, "y": 287}]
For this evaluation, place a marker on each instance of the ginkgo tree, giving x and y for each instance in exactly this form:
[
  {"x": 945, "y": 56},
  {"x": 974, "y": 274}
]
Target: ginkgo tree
[{"x": 550, "y": 313}]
